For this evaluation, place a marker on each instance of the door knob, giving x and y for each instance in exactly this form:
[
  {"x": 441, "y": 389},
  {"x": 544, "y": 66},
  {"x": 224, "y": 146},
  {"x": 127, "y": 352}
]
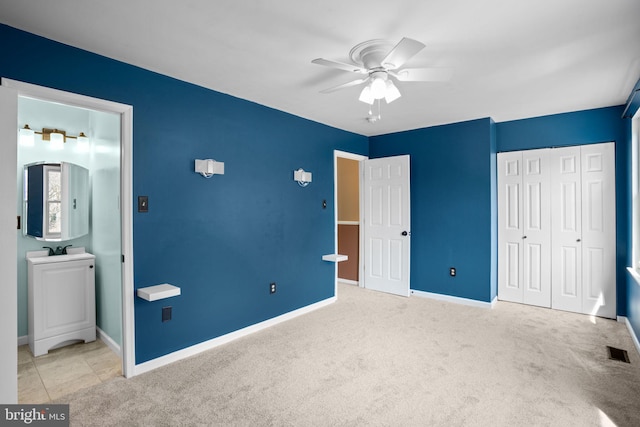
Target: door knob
[
  {"x": 524, "y": 237},
  {"x": 577, "y": 240},
  {"x": 404, "y": 233}
]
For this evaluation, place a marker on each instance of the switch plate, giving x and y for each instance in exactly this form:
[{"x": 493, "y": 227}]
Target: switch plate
[
  {"x": 452, "y": 271},
  {"x": 166, "y": 314},
  {"x": 143, "y": 203},
  {"x": 272, "y": 288}
]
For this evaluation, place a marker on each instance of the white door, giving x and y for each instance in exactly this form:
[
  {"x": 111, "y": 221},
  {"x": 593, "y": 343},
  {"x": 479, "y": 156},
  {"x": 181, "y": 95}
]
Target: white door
[
  {"x": 566, "y": 252},
  {"x": 387, "y": 221},
  {"x": 524, "y": 228},
  {"x": 598, "y": 230},
  {"x": 584, "y": 246},
  {"x": 510, "y": 235},
  {"x": 536, "y": 228},
  {"x": 8, "y": 266}
]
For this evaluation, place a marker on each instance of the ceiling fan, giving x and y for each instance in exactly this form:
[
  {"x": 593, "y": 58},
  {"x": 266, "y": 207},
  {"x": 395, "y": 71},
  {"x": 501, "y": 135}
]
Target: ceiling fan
[{"x": 379, "y": 64}]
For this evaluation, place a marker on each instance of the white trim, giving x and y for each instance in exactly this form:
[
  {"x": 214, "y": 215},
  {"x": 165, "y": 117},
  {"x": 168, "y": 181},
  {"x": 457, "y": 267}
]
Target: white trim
[
  {"x": 109, "y": 342},
  {"x": 455, "y": 300},
  {"x": 359, "y": 158},
  {"x": 224, "y": 339},
  {"x": 126, "y": 175},
  {"x": 347, "y": 281},
  {"x": 23, "y": 340},
  {"x": 634, "y": 274},
  {"x": 348, "y": 222},
  {"x": 634, "y": 338}
]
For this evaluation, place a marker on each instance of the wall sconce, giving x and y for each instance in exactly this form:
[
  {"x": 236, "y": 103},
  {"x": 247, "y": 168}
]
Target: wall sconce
[
  {"x": 209, "y": 167},
  {"x": 55, "y": 136},
  {"x": 303, "y": 178}
]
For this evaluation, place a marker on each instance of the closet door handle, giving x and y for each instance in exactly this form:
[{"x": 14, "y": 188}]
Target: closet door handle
[
  {"x": 577, "y": 240},
  {"x": 524, "y": 237}
]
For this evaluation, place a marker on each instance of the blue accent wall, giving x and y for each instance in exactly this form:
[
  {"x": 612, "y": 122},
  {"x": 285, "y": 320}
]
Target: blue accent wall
[
  {"x": 578, "y": 128},
  {"x": 221, "y": 240},
  {"x": 452, "y": 206}
]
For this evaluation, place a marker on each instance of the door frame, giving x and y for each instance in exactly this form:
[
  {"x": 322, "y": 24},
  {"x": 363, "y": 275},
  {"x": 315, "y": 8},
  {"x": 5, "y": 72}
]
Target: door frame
[
  {"x": 127, "y": 349},
  {"x": 359, "y": 158}
]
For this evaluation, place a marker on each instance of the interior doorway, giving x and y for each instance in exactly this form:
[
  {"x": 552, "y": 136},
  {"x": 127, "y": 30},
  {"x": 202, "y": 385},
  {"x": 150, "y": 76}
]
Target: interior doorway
[
  {"x": 121, "y": 328},
  {"x": 348, "y": 216}
]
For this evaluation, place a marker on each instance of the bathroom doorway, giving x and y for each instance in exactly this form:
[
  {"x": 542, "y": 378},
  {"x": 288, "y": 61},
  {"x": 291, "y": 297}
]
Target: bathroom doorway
[{"x": 108, "y": 126}]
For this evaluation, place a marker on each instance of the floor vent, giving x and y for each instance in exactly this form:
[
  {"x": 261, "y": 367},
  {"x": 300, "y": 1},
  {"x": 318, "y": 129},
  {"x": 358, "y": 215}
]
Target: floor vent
[{"x": 618, "y": 354}]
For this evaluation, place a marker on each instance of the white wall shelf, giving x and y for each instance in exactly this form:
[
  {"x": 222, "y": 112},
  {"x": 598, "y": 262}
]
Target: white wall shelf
[
  {"x": 334, "y": 257},
  {"x": 154, "y": 293}
]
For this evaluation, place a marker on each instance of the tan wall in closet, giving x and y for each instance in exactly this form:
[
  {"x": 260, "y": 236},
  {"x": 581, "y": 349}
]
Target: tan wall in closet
[{"x": 348, "y": 210}]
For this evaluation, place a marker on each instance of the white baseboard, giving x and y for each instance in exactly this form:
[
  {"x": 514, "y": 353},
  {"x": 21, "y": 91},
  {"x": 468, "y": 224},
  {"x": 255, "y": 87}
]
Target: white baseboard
[
  {"x": 348, "y": 282},
  {"x": 631, "y": 332},
  {"x": 456, "y": 300},
  {"x": 114, "y": 346},
  {"x": 23, "y": 340},
  {"x": 224, "y": 339}
]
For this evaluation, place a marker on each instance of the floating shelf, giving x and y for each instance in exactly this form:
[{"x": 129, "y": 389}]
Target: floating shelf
[
  {"x": 154, "y": 293},
  {"x": 334, "y": 257}
]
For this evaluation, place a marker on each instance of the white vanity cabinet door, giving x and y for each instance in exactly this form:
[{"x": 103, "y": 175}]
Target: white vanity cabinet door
[{"x": 61, "y": 303}]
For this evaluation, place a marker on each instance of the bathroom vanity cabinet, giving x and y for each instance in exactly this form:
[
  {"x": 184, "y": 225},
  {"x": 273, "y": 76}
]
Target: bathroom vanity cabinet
[{"x": 61, "y": 300}]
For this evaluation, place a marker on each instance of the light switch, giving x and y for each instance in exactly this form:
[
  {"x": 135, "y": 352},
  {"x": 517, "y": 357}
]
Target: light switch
[{"x": 143, "y": 203}]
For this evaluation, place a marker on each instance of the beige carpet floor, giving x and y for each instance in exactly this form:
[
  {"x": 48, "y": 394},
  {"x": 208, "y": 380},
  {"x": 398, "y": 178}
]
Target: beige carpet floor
[{"x": 373, "y": 359}]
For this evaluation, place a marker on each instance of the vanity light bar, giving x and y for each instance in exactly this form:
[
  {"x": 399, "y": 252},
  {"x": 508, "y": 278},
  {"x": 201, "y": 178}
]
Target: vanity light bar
[{"x": 26, "y": 134}]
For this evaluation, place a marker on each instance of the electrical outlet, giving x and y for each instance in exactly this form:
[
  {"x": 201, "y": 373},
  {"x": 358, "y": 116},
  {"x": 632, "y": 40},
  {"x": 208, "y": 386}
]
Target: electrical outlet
[
  {"x": 452, "y": 271},
  {"x": 272, "y": 288},
  {"x": 166, "y": 314}
]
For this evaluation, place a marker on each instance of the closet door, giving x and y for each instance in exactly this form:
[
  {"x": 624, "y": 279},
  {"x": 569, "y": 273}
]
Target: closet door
[
  {"x": 510, "y": 229},
  {"x": 598, "y": 230},
  {"x": 583, "y": 229},
  {"x": 524, "y": 255},
  {"x": 566, "y": 225},
  {"x": 536, "y": 228}
]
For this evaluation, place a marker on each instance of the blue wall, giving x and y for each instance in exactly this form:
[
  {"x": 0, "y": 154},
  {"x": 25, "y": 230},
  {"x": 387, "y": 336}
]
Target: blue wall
[
  {"x": 224, "y": 239},
  {"x": 452, "y": 205},
  {"x": 577, "y": 128}
]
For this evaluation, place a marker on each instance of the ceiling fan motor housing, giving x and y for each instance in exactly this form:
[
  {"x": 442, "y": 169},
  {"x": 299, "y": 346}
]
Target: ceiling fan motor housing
[{"x": 371, "y": 53}]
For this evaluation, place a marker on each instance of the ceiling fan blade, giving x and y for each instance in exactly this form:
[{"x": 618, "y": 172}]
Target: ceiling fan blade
[
  {"x": 340, "y": 65},
  {"x": 401, "y": 53},
  {"x": 345, "y": 85},
  {"x": 423, "y": 74}
]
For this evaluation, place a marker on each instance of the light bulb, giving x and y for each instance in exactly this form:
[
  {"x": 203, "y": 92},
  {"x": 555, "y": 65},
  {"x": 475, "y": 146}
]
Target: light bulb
[
  {"x": 83, "y": 142},
  {"x": 366, "y": 96},
  {"x": 26, "y": 136},
  {"x": 392, "y": 92},
  {"x": 57, "y": 140},
  {"x": 378, "y": 88}
]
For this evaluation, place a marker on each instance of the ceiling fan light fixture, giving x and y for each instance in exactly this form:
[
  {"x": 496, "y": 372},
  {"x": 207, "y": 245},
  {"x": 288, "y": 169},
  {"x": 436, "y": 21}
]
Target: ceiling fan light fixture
[
  {"x": 366, "y": 96},
  {"x": 378, "y": 88},
  {"x": 392, "y": 92}
]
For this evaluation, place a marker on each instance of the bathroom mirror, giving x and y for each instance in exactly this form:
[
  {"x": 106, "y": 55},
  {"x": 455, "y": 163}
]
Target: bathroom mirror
[{"x": 56, "y": 201}]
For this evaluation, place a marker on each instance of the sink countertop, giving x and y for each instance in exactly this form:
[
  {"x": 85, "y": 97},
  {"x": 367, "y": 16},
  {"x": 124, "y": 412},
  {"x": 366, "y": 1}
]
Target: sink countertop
[{"x": 42, "y": 257}]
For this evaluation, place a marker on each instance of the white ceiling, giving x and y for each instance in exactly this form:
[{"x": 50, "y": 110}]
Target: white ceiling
[{"x": 511, "y": 59}]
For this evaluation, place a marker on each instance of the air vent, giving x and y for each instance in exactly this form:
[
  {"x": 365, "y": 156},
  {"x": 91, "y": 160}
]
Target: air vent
[{"x": 618, "y": 354}]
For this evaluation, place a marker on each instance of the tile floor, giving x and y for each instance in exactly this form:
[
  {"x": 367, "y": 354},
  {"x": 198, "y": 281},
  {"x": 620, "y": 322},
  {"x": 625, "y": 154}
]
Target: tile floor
[{"x": 64, "y": 370}]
